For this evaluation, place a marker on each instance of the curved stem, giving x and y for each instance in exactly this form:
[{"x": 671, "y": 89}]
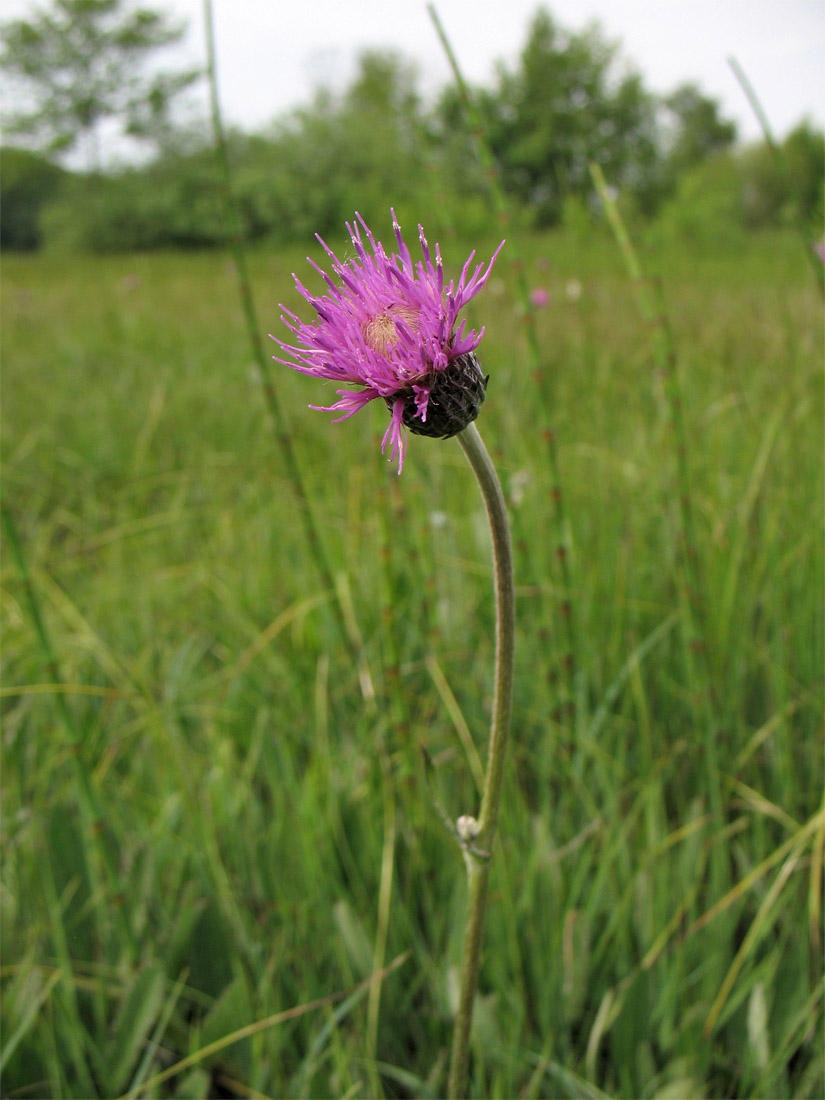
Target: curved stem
[{"x": 478, "y": 836}]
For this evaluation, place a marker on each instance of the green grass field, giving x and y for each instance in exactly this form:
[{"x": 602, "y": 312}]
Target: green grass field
[{"x": 216, "y": 814}]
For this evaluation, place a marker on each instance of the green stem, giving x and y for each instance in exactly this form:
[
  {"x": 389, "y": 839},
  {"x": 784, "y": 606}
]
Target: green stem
[
  {"x": 698, "y": 666},
  {"x": 781, "y": 162},
  {"x": 501, "y": 207},
  {"x": 477, "y": 836},
  {"x": 253, "y": 329}
]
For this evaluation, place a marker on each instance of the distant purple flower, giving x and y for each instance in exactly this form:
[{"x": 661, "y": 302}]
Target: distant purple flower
[
  {"x": 539, "y": 297},
  {"x": 389, "y": 328},
  {"x": 819, "y": 249}
]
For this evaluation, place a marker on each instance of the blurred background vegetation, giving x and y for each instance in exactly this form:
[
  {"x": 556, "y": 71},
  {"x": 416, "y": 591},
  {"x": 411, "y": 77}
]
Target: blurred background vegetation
[{"x": 568, "y": 100}]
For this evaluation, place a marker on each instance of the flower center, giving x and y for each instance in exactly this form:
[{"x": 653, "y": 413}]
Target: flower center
[{"x": 380, "y": 331}]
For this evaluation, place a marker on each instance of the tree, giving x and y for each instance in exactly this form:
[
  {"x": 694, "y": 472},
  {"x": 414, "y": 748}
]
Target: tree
[
  {"x": 787, "y": 183},
  {"x": 84, "y": 61},
  {"x": 27, "y": 183},
  {"x": 352, "y": 150},
  {"x": 561, "y": 108},
  {"x": 804, "y": 155},
  {"x": 697, "y": 132}
]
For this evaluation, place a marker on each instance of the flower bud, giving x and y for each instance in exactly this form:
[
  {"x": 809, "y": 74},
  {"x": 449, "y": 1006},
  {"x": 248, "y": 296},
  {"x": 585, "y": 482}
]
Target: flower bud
[{"x": 456, "y": 395}]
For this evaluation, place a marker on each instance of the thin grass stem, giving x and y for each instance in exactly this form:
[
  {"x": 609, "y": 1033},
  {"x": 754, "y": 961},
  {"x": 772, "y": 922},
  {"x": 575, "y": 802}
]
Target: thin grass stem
[
  {"x": 651, "y": 306},
  {"x": 784, "y": 170},
  {"x": 383, "y": 919},
  {"x": 253, "y": 329}
]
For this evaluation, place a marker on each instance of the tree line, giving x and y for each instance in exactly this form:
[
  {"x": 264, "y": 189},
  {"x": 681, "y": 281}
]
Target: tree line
[{"x": 673, "y": 159}]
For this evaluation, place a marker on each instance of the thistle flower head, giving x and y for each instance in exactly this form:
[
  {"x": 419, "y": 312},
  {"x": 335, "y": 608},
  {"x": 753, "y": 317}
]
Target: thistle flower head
[{"x": 388, "y": 329}]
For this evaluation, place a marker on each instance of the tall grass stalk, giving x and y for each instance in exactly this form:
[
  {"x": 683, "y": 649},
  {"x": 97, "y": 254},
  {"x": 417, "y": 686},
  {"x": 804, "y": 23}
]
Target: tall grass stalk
[
  {"x": 382, "y": 918},
  {"x": 784, "y": 170},
  {"x": 253, "y": 329},
  {"x": 392, "y": 515},
  {"x": 652, "y": 309},
  {"x": 501, "y": 208}
]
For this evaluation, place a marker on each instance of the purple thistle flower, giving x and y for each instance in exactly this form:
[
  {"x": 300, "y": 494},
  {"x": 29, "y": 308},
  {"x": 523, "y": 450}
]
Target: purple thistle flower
[{"x": 389, "y": 328}]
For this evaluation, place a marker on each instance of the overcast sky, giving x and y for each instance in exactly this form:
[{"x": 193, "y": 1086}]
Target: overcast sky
[{"x": 273, "y": 53}]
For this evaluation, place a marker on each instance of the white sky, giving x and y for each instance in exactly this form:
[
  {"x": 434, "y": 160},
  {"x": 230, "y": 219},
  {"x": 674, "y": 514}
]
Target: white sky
[{"x": 272, "y": 53}]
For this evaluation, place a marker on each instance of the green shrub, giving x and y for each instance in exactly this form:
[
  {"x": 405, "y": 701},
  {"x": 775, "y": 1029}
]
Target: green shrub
[
  {"x": 706, "y": 211},
  {"x": 27, "y": 182}
]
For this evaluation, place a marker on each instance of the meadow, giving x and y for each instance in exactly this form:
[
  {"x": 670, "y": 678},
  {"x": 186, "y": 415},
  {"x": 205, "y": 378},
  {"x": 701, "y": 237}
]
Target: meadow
[{"x": 223, "y": 776}]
